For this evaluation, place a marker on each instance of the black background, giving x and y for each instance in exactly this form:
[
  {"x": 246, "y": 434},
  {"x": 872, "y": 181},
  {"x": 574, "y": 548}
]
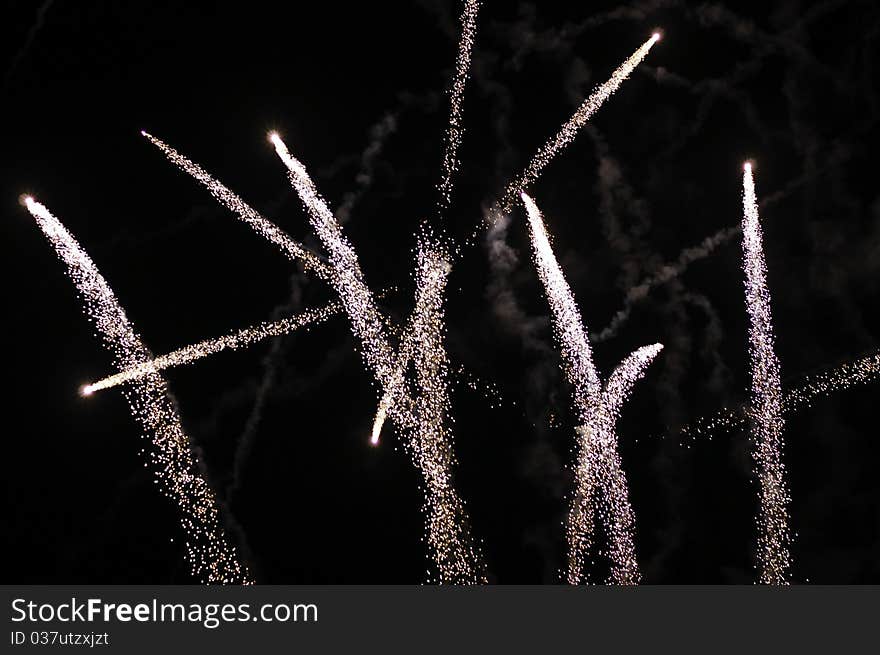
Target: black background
[{"x": 790, "y": 84}]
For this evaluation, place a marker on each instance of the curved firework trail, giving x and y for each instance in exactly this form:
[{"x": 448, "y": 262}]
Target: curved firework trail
[
  {"x": 600, "y": 483},
  {"x": 766, "y": 403},
  {"x": 233, "y": 341},
  {"x": 212, "y": 557}
]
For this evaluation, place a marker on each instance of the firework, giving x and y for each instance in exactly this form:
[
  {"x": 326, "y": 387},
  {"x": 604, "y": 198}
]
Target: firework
[
  {"x": 245, "y": 212},
  {"x": 600, "y": 483},
  {"x": 766, "y": 400},
  {"x": 233, "y": 341},
  {"x": 212, "y": 557},
  {"x": 569, "y": 130},
  {"x": 454, "y": 131}
]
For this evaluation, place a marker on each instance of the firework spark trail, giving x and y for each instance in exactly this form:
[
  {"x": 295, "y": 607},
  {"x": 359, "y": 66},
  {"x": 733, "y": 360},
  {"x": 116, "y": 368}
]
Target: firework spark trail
[
  {"x": 766, "y": 401},
  {"x": 245, "y": 212},
  {"x": 600, "y": 483},
  {"x": 860, "y": 371},
  {"x": 421, "y": 419},
  {"x": 454, "y": 131},
  {"x": 568, "y": 131},
  {"x": 233, "y": 341},
  {"x": 696, "y": 253},
  {"x": 212, "y": 558}
]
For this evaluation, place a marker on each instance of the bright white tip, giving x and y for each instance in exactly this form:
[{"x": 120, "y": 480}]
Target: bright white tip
[
  {"x": 86, "y": 390},
  {"x": 274, "y": 138},
  {"x": 143, "y": 133},
  {"x": 26, "y": 200},
  {"x": 378, "y": 423},
  {"x": 656, "y": 36},
  {"x": 747, "y": 167}
]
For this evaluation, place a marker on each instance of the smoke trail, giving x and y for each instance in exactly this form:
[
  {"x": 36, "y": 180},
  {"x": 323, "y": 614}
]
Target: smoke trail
[
  {"x": 454, "y": 131},
  {"x": 569, "y": 130},
  {"x": 233, "y": 341},
  {"x": 28, "y": 41},
  {"x": 379, "y": 133},
  {"x": 600, "y": 484},
  {"x": 420, "y": 419},
  {"x": 264, "y": 227},
  {"x": 212, "y": 558},
  {"x": 766, "y": 405}
]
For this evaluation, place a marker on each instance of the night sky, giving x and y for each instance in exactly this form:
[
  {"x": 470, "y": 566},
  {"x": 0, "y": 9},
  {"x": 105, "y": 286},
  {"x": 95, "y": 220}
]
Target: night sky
[{"x": 358, "y": 92}]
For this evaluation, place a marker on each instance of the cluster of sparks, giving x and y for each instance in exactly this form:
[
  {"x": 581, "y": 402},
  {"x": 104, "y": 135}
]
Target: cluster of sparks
[
  {"x": 411, "y": 368},
  {"x": 212, "y": 558},
  {"x": 766, "y": 400},
  {"x": 600, "y": 483}
]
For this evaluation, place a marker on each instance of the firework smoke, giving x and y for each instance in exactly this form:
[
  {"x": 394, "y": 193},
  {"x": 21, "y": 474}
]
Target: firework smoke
[
  {"x": 600, "y": 483},
  {"x": 766, "y": 400},
  {"x": 233, "y": 341},
  {"x": 212, "y": 558}
]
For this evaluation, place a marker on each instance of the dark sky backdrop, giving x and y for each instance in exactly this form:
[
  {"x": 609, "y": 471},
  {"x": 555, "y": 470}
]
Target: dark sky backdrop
[{"x": 790, "y": 84}]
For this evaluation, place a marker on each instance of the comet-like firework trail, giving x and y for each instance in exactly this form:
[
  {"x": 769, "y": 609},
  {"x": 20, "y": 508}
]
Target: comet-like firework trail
[
  {"x": 454, "y": 131},
  {"x": 766, "y": 403},
  {"x": 600, "y": 483},
  {"x": 569, "y": 130},
  {"x": 233, "y": 341},
  {"x": 212, "y": 558}
]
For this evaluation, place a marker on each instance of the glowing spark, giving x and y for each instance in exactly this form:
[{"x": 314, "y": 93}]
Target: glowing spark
[
  {"x": 455, "y": 132},
  {"x": 212, "y": 558},
  {"x": 600, "y": 483},
  {"x": 233, "y": 341},
  {"x": 766, "y": 405},
  {"x": 378, "y": 423},
  {"x": 569, "y": 130}
]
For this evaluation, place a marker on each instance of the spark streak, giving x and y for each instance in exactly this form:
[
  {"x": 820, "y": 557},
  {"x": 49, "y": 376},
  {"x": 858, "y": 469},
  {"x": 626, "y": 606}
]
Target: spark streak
[
  {"x": 569, "y": 130},
  {"x": 454, "y": 131},
  {"x": 233, "y": 341},
  {"x": 600, "y": 483},
  {"x": 860, "y": 371},
  {"x": 245, "y": 212},
  {"x": 766, "y": 404},
  {"x": 212, "y": 558}
]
